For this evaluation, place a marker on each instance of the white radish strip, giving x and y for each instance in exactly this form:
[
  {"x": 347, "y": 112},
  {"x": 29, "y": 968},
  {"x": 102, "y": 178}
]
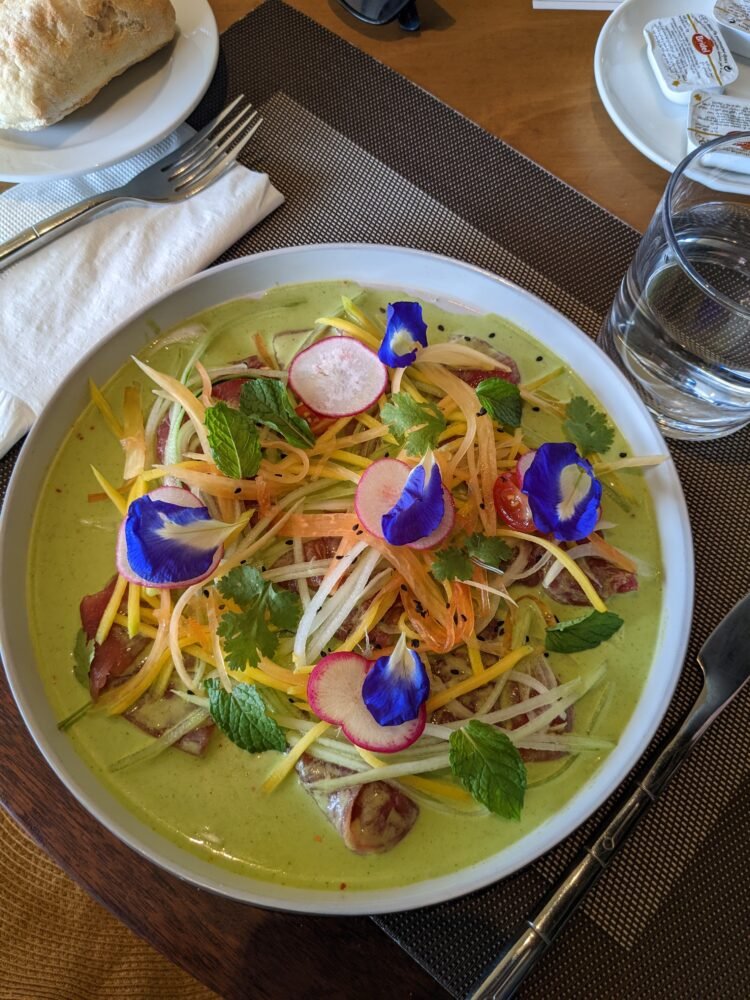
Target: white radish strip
[
  {"x": 373, "y": 587},
  {"x": 243, "y": 371},
  {"x": 319, "y": 638},
  {"x": 332, "y": 606},
  {"x": 540, "y": 722},
  {"x": 530, "y": 682},
  {"x": 491, "y": 699},
  {"x": 155, "y": 417},
  {"x": 436, "y": 763},
  {"x": 577, "y": 552},
  {"x": 325, "y": 588},
  {"x": 537, "y": 701},
  {"x": 539, "y": 564},
  {"x": 490, "y": 590},
  {"x": 338, "y": 377},
  {"x": 459, "y": 356},
  {"x": 242, "y": 555},
  {"x": 192, "y": 406}
]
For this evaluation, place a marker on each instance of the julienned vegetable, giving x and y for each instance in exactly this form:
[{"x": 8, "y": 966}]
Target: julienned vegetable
[{"x": 344, "y": 569}]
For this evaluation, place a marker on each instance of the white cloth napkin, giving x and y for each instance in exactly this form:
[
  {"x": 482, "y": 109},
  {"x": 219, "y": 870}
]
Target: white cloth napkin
[{"x": 60, "y": 301}]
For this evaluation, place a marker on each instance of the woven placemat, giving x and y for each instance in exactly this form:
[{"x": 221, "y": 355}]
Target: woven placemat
[{"x": 361, "y": 154}]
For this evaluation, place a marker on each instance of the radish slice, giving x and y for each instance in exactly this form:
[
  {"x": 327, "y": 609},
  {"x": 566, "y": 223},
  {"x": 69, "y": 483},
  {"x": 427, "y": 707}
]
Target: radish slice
[
  {"x": 334, "y": 690},
  {"x": 179, "y": 497},
  {"x": 378, "y": 490},
  {"x": 338, "y": 377}
]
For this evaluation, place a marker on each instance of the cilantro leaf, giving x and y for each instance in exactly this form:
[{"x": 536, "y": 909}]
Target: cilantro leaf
[
  {"x": 587, "y": 427},
  {"x": 265, "y": 401},
  {"x": 452, "y": 564},
  {"x": 582, "y": 633},
  {"x": 492, "y": 551},
  {"x": 83, "y": 654},
  {"x": 246, "y": 632},
  {"x": 415, "y": 425},
  {"x": 490, "y": 767},
  {"x": 242, "y": 716},
  {"x": 234, "y": 441},
  {"x": 502, "y": 400}
]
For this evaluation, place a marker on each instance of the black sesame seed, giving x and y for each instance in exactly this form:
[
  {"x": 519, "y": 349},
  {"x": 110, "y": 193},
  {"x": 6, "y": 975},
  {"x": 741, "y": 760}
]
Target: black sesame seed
[
  {"x": 467, "y": 338},
  {"x": 242, "y": 562},
  {"x": 339, "y": 557},
  {"x": 441, "y": 327},
  {"x": 547, "y": 655},
  {"x": 404, "y": 587},
  {"x": 526, "y": 639},
  {"x": 262, "y": 569},
  {"x": 376, "y": 645},
  {"x": 464, "y": 618},
  {"x": 492, "y": 335},
  {"x": 206, "y": 593},
  {"x": 382, "y": 309},
  {"x": 455, "y": 671},
  {"x": 386, "y": 454},
  {"x": 540, "y": 357},
  {"x": 623, "y": 454},
  {"x": 482, "y": 412},
  {"x": 289, "y": 541},
  {"x": 238, "y": 489},
  {"x": 535, "y": 409},
  {"x": 356, "y": 525},
  {"x": 481, "y": 506},
  {"x": 222, "y": 607}
]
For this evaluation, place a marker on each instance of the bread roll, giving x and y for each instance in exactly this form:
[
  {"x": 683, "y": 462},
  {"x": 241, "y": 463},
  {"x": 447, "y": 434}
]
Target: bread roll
[{"x": 56, "y": 55}]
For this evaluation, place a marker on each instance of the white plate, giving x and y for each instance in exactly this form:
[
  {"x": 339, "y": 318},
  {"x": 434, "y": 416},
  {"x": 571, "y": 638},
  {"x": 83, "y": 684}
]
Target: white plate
[
  {"x": 629, "y": 91},
  {"x": 132, "y": 112},
  {"x": 454, "y": 285}
]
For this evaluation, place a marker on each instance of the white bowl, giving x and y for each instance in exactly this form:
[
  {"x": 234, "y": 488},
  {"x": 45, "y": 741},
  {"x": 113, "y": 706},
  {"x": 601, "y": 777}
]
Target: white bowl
[{"x": 430, "y": 277}]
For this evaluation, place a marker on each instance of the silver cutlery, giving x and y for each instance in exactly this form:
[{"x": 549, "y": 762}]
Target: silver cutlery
[
  {"x": 725, "y": 662},
  {"x": 184, "y": 172}
]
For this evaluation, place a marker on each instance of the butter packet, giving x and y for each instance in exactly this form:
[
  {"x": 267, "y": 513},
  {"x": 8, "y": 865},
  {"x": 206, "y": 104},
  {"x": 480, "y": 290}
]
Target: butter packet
[
  {"x": 711, "y": 116},
  {"x": 733, "y": 17},
  {"x": 688, "y": 53}
]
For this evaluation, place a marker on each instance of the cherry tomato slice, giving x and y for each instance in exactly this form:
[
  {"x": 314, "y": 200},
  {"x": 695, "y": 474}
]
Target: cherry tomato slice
[{"x": 511, "y": 504}]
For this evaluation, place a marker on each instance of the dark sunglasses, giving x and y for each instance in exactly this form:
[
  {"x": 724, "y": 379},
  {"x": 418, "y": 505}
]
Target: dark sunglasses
[{"x": 385, "y": 11}]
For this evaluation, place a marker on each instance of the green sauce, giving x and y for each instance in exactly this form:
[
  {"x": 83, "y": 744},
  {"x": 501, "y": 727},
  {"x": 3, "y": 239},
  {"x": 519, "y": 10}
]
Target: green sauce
[{"x": 212, "y": 806}]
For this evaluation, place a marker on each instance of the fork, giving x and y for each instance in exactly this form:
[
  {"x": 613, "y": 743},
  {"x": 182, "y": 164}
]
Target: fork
[{"x": 184, "y": 172}]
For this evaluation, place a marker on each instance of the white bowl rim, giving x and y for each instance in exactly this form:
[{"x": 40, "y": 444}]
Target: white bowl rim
[{"x": 672, "y": 519}]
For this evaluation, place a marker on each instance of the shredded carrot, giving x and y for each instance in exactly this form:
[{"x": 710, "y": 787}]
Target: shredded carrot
[
  {"x": 611, "y": 554},
  {"x": 319, "y": 525}
]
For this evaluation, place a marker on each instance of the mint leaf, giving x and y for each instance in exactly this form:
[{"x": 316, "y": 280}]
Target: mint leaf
[
  {"x": 587, "y": 427},
  {"x": 578, "y": 634},
  {"x": 490, "y": 767},
  {"x": 492, "y": 551},
  {"x": 242, "y": 716},
  {"x": 452, "y": 564},
  {"x": 417, "y": 426},
  {"x": 234, "y": 441},
  {"x": 502, "y": 400},
  {"x": 265, "y": 401},
  {"x": 83, "y": 654},
  {"x": 246, "y": 632}
]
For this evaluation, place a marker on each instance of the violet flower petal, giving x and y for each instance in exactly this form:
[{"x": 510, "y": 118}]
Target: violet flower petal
[
  {"x": 154, "y": 548},
  {"x": 405, "y": 330},
  {"x": 396, "y": 686},
  {"x": 419, "y": 509},
  {"x": 564, "y": 494}
]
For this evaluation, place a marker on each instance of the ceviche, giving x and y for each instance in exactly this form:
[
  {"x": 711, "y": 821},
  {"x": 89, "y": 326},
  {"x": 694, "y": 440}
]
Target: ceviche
[{"x": 381, "y": 573}]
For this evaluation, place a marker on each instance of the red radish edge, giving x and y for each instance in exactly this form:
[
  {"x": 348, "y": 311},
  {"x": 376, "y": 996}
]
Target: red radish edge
[
  {"x": 338, "y": 370},
  {"x": 379, "y": 488},
  {"x": 182, "y": 498},
  {"x": 334, "y": 691}
]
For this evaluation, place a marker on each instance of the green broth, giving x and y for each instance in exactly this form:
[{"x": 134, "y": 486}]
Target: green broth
[{"x": 213, "y": 806}]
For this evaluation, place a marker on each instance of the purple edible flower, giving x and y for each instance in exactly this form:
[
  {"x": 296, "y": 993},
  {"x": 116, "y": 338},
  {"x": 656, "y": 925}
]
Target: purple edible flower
[
  {"x": 162, "y": 548},
  {"x": 405, "y": 330},
  {"x": 396, "y": 686},
  {"x": 420, "y": 508},
  {"x": 564, "y": 494}
]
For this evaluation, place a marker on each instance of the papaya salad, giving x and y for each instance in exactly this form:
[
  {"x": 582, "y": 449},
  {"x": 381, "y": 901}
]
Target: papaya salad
[{"x": 377, "y": 560}]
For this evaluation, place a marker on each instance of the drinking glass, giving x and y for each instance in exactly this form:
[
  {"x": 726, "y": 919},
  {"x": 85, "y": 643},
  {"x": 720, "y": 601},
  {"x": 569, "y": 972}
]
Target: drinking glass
[{"x": 680, "y": 325}]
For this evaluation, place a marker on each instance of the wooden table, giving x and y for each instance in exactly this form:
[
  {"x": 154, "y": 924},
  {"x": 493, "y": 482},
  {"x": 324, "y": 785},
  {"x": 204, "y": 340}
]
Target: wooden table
[{"x": 527, "y": 77}]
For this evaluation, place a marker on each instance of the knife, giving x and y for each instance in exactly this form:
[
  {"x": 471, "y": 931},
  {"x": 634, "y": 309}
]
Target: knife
[{"x": 725, "y": 662}]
